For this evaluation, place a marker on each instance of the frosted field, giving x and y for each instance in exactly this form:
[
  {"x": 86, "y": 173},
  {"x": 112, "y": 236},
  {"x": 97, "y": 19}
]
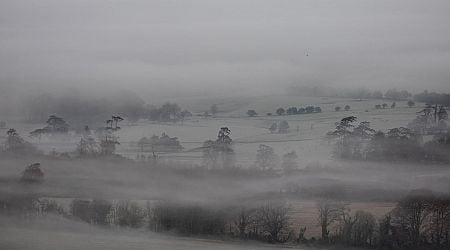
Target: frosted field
[
  {"x": 305, "y": 134},
  {"x": 57, "y": 233}
]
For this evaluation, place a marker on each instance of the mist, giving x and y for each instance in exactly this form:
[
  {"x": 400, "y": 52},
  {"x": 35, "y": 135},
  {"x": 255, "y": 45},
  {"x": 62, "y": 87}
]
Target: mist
[
  {"x": 167, "y": 48},
  {"x": 212, "y": 124}
]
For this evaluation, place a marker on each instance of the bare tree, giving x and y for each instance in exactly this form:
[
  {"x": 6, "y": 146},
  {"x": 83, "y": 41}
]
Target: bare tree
[
  {"x": 243, "y": 220},
  {"x": 266, "y": 157},
  {"x": 439, "y": 225},
  {"x": 273, "y": 218},
  {"x": 283, "y": 127},
  {"x": 410, "y": 216},
  {"x": 363, "y": 228},
  {"x": 273, "y": 128},
  {"x": 329, "y": 212}
]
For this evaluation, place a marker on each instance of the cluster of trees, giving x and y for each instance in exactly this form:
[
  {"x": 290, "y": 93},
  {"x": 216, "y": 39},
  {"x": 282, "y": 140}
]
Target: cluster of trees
[
  {"x": 187, "y": 219},
  {"x": 55, "y": 125},
  {"x": 268, "y": 222},
  {"x": 159, "y": 143},
  {"x": 298, "y": 111},
  {"x": 338, "y": 108},
  {"x": 88, "y": 145},
  {"x": 430, "y": 120},
  {"x": 16, "y": 145},
  {"x": 419, "y": 221},
  {"x": 219, "y": 153},
  {"x": 410, "y": 104},
  {"x": 267, "y": 159},
  {"x": 33, "y": 173},
  {"x": 81, "y": 110},
  {"x": 359, "y": 93},
  {"x": 394, "y": 94},
  {"x": 169, "y": 112},
  {"x": 433, "y": 98},
  {"x": 381, "y": 106},
  {"x": 362, "y": 142},
  {"x": 282, "y": 127}
]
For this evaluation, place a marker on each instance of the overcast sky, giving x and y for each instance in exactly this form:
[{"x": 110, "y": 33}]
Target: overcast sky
[{"x": 169, "y": 46}]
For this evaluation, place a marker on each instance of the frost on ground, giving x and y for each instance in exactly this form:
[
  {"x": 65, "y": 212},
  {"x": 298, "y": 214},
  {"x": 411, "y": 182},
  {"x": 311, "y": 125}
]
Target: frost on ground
[{"x": 57, "y": 233}]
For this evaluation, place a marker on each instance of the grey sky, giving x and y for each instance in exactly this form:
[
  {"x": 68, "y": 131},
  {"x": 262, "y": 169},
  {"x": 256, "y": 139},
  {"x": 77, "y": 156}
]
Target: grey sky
[{"x": 230, "y": 45}]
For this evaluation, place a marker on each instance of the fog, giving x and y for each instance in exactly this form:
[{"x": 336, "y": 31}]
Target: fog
[
  {"x": 190, "y": 48},
  {"x": 212, "y": 124}
]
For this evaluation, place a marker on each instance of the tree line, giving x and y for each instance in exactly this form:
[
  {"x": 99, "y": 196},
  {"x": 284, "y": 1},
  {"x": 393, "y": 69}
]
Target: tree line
[
  {"x": 421, "y": 220},
  {"x": 360, "y": 141}
]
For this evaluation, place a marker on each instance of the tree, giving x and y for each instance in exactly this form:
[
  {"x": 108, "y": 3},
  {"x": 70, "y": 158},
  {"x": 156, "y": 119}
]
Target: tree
[
  {"x": 273, "y": 218},
  {"x": 329, "y": 212},
  {"x": 318, "y": 109},
  {"x": 289, "y": 162},
  {"x": 184, "y": 114},
  {"x": 243, "y": 219},
  {"x": 378, "y": 106},
  {"x": 439, "y": 225},
  {"x": 291, "y": 111},
  {"x": 377, "y": 95},
  {"x": 251, "y": 113},
  {"x": 273, "y": 127},
  {"x": 283, "y": 127},
  {"x": 210, "y": 154},
  {"x": 347, "y": 107},
  {"x": 169, "y": 112},
  {"x": 33, "y": 173},
  {"x": 116, "y": 120},
  {"x": 266, "y": 157},
  {"x": 385, "y": 231},
  {"x": 394, "y": 94},
  {"x": 410, "y": 216},
  {"x": 346, "y": 226},
  {"x": 220, "y": 150},
  {"x": 99, "y": 210},
  {"x": 129, "y": 214},
  {"x": 213, "y": 109},
  {"x": 57, "y": 124},
  {"x": 309, "y": 109},
  {"x": 17, "y": 145},
  {"x": 343, "y": 134},
  {"x": 393, "y": 105},
  {"x": 280, "y": 111},
  {"x": 410, "y": 103},
  {"x": 363, "y": 228},
  {"x": 88, "y": 147},
  {"x": 384, "y": 105},
  {"x": 337, "y": 108}
]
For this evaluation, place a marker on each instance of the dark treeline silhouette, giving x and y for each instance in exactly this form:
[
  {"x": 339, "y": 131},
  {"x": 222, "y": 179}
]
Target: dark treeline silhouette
[
  {"x": 359, "y": 93},
  {"x": 421, "y": 220},
  {"x": 298, "y": 111},
  {"x": 433, "y": 98},
  {"x": 169, "y": 112},
  {"x": 81, "y": 110}
]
